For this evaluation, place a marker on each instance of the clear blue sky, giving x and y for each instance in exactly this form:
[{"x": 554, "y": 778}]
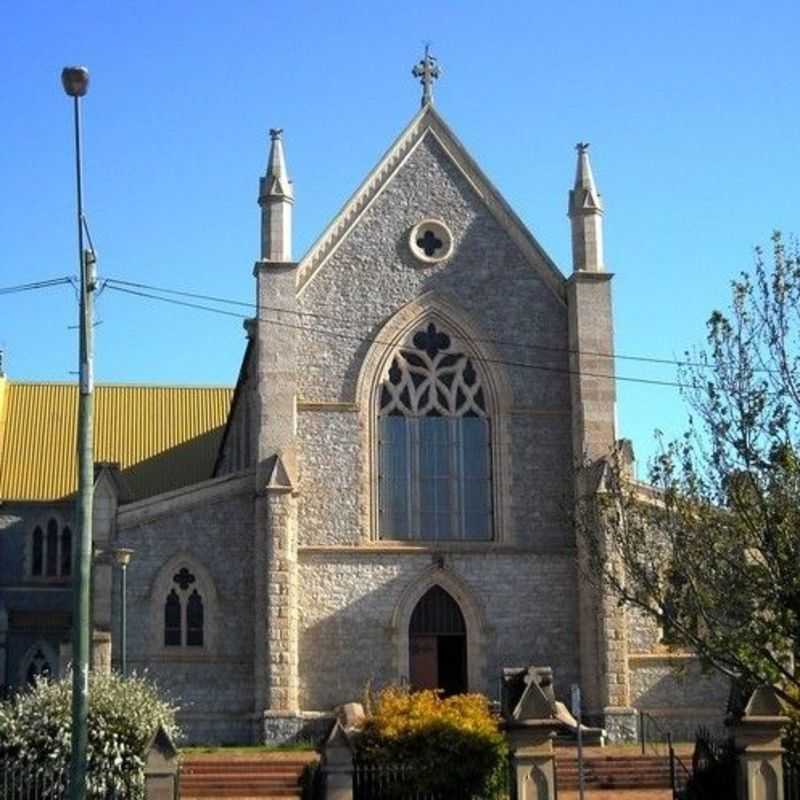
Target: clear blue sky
[{"x": 691, "y": 108}]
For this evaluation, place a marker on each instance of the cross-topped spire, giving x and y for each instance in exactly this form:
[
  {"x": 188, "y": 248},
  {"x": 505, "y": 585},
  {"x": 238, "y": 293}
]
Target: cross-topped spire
[{"x": 427, "y": 70}]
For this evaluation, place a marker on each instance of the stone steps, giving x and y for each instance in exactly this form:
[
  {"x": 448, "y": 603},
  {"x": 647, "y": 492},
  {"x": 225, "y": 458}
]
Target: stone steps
[
  {"x": 615, "y": 772},
  {"x": 242, "y": 778}
]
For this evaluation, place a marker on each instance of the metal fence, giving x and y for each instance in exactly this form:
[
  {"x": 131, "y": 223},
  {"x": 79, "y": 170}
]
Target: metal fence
[
  {"x": 396, "y": 781},
  {"x": 40, "y": 782},
  {"x": 791, "y": 780}
]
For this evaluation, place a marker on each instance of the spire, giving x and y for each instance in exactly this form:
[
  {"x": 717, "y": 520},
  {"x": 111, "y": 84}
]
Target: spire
[
  {"x": 276, "y": 197},
  {"x": 584, "y": 197},
  {"x": 427, "y": 70},
  {"x": 586, "y": 214},
  {"x": 277, "y": 177}
]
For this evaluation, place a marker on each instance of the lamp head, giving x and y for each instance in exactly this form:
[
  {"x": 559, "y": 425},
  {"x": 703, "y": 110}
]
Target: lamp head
[
  {"x": 122, "y": 555},
  {"x": 75, "y": 81}
]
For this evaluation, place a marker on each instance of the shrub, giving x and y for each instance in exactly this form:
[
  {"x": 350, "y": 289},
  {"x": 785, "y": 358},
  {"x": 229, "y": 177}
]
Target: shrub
[
  {"x": 123, "y": 715},
  {"x": 444, "y": 742},
  {"x": 791, "y": 734}
]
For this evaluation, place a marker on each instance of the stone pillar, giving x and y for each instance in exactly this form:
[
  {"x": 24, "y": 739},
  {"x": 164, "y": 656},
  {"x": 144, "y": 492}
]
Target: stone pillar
[
  {"x": 281, "y": 600},
  {"x": 337, "y": 764},
  {"x": 104, "y": 518},
  {"x": 101, "y": 651},
  {"x": 275, "y": 547},
  {"x": 530, "y": 711},
  {"x": 757, "y": 739},
  {"x": 602, "y": 629},
  {"x": 533, "y": 759}
]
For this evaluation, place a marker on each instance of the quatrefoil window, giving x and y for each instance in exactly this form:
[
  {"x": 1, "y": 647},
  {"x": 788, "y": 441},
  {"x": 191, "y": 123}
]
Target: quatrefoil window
[
  {"x": 431, "y": 241},
  {"x": 184, "y": 578}
]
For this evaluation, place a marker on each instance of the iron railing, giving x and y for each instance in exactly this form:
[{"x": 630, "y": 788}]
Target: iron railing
[
  {"x": 396, "y": 781},
  {"x": 22, "y": 781},
  {"x": 655, "y": 739},
  {"x": 791, "y": 780}
]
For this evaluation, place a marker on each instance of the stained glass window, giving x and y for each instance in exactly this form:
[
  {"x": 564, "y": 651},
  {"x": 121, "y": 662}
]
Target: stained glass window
[{"x": 434, "y": 444}]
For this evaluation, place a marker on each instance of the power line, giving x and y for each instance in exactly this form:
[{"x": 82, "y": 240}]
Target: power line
[
  {"x": 506, "y": 343},
  {"x": 358, "y": 338},
  {"x": 26, "y": 287}
]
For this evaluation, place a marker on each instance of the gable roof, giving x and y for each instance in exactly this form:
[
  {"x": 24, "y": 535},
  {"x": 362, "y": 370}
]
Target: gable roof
[
  {"x": 162, "y": 437},
  {"x": 428, "y": 122}
]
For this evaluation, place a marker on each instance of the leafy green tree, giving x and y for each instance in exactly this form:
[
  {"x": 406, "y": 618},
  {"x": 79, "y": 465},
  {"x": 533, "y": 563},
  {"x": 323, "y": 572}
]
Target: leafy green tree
[{"x": 709, "y": 548}]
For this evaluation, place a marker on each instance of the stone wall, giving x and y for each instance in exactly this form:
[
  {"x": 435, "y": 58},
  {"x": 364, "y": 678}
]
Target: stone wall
[
  {"x": 40, "y": 613},
  {"x": 372, "y": 275},
  {"x": 213, "y": 685},
  {"x": 675, "y": 691},
  {"x": 367, "y": 280},
  {"x": 348, "y": 599},
  {"x": 348, "y": 591}
]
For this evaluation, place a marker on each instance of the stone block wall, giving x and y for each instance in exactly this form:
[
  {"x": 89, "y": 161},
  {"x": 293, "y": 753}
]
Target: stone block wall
[
  {"x": 675, "y": 691},
  {"x": 348, "y": 601},
  {"x": 213, "y": 686}
]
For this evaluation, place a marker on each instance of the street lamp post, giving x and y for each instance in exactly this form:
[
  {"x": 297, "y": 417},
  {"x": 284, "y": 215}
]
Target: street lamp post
[
  {"x": 76, "y": 82},
  {"x": 122, "y": 555}
]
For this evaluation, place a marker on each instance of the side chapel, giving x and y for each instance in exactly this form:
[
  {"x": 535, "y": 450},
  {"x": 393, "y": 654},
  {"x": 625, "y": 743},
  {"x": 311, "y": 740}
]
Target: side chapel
[{"x": 382, "y": 496}]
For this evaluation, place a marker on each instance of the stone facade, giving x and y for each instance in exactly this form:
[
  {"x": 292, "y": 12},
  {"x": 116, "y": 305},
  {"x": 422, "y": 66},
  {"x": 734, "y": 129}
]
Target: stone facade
[{"x": 265, "y": 596}]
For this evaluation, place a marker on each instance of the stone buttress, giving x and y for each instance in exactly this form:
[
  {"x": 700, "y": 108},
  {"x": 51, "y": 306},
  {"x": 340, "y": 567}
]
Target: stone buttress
[
  {"x": 275, "y": 546},
  {"x": 602, "y": 634}
]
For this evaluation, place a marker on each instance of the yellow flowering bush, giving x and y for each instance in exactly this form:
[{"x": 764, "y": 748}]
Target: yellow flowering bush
[{"x": 445, "y": 742}]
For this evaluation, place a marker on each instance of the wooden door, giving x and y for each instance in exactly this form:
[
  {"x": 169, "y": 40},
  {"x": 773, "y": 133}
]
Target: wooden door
[{"x": 424, "y": 657}]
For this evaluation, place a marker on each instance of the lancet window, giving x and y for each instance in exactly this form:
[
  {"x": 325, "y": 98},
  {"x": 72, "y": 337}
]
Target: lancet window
[
  {"x": 434, "y": 429},
  {"x": 183, "y": 612},
  {"x": 51, "y": 550}
]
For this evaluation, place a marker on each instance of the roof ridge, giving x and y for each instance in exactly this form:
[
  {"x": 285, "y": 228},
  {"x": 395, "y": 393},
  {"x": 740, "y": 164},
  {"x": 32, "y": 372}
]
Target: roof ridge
[{"x": 124, "y": 385}]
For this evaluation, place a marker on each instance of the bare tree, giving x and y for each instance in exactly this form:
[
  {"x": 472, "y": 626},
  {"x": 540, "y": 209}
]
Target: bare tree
[{"x": 709, "y": 548}]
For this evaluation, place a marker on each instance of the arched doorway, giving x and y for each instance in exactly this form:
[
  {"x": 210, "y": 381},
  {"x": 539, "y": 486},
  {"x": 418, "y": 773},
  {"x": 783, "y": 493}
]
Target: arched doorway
[{"x": 437, "y": 639}]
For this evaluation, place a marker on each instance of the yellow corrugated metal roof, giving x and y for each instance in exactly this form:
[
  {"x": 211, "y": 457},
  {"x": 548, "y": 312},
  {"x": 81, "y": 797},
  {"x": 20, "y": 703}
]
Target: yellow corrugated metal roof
[{"x": 162, "y": 437}]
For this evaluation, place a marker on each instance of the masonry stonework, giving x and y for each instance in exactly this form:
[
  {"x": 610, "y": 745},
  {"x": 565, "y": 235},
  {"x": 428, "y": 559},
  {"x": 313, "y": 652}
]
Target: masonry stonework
[{"x": 305, "y": 598}]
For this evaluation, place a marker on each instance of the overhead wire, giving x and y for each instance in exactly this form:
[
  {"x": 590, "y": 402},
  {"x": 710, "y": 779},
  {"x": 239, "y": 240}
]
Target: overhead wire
[
  {"x": 26, "y": 287},
  {"x": 338, "y": 319},
  {"x": 359, "y": 338}
]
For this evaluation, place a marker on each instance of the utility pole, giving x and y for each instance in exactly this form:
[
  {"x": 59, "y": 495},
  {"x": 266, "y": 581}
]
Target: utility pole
[{"x": 76, "y": 82}]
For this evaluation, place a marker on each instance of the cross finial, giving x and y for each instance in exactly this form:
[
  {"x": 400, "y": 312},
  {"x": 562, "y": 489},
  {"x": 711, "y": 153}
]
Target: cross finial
[
  {"x": 427, "y": 70},
  {"x": 582, "y": 147},
  {"x": 275, "y": 133}
]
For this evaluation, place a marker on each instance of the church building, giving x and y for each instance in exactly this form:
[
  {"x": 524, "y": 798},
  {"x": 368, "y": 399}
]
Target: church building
[{"x": 382, "y": 498}]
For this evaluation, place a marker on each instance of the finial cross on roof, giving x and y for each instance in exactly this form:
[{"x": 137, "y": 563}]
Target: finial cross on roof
[{"x": 427, "y": 70}]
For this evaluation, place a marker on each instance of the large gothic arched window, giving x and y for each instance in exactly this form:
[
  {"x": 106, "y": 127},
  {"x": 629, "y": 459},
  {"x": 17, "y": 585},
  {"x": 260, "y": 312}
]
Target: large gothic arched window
[{"x": 434, "y": 444}]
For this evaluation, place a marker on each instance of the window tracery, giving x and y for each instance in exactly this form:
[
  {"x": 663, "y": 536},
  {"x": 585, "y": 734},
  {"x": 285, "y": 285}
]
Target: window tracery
[
  {"x": 183, "y": 612},
  {"x": 434, "y": 443}
]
